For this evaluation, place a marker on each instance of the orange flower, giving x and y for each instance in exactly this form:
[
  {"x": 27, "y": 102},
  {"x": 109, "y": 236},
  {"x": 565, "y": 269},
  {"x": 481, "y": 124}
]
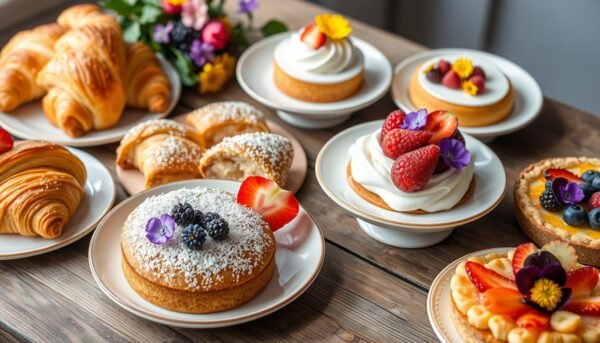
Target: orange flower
[{"x": 333, "y": 25}]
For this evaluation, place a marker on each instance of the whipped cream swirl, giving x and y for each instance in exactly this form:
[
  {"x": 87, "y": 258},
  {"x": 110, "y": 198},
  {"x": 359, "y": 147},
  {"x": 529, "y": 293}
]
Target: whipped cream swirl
[{"x": 372, "y": 169}]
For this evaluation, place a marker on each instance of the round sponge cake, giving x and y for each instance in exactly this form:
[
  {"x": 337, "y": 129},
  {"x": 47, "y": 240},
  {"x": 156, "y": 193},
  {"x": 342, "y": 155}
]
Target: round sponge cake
[{"x": 221, "y": 276}]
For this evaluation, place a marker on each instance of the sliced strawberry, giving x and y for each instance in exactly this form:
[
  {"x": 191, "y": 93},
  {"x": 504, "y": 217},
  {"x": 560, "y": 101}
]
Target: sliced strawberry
[
  {"x": 484, "y": 278},
  {"x": 521, "y": 254},
  {"x": 584, "y": 306},
  {"x": 394, "y": 120},
  {"x": 451, "y": 80},
  {"x": 552, "y": 174},
  {"x": 400, "y": 141},
  {"x": 582, "y": 281},
  {"x": 6, "y": 141},
  {"x": 412, "y": 171},
  {"x": 277, "y": 206},
  {"x": 442, "y": 124},
  {"x": 312, "y": 36},
  {"x": 534, "y": 320},
  {"x": 505, "y": 301}
]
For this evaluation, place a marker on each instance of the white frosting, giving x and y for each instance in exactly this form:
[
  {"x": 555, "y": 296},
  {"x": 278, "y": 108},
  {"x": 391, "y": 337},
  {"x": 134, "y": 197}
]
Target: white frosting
[
  {"x": 338, "y": 60},
  {"x": 372, "y": 169}
]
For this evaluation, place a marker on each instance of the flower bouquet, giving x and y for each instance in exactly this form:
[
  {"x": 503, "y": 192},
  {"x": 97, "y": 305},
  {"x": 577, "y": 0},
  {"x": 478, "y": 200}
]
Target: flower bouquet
[{"x": 196, "y": 36}]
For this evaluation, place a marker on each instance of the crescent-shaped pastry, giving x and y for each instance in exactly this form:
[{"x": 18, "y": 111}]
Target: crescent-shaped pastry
[
  {"x": 146, "y": 84},
  {"x": 78, "y": 15}
]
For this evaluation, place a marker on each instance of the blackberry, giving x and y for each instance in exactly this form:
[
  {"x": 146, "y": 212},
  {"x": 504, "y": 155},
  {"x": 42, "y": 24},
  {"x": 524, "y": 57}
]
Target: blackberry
[
  {"x": 183, "y": 214},
  {"x": 182, "y": 36},
  {"x": 193, "y": 236},
  {"x": 548, "y": 201},
  {"x": 216, "y": 227},
  {"x": 208, "y": 217}
]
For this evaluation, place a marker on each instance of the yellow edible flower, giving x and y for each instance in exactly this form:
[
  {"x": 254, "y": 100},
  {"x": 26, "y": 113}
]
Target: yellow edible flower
[
  {"x": 333, "y": 25},
  {"x": 175, "y": 2},
  {"x": 546, "y": 293},
  {"x": 228, "y": 63},
  {"x": 470, "y": 87},
  {"x": 463, "y": 67},
  {"x": 212, "y": 78},
  {"x": 429, "y": 68}
]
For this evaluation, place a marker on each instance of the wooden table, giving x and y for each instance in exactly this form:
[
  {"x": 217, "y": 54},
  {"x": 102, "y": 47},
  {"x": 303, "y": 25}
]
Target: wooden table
[{"x": 367, "y": 291}]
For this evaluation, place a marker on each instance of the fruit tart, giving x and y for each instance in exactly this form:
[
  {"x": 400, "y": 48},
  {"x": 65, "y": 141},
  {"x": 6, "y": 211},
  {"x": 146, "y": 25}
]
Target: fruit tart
[
  {"x": 527, "y": 295},
  {"x": 559, "y": 198},
  {"x": 416, "y": 163}
]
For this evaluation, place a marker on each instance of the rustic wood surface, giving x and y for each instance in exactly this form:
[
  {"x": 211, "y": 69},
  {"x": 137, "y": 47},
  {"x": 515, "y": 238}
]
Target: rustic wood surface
[{"x": 367, "y": 291}]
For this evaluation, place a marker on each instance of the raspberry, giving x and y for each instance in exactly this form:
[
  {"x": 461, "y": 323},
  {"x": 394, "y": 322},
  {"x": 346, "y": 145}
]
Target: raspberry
[
  {"x": 394, "y": 120},
  {"x": 400, "y": 141},
  {"x": 594, "y": 201},
  {"x": 412, "y": 171},
  {"x": 451, "y": 80},
  {"x": 444, "y": 66}
]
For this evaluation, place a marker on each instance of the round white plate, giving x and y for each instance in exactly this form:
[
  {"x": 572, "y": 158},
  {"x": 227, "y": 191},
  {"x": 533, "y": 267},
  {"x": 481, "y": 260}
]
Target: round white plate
[
  {"x": 29, "y": 121},
  {"x": 439, "y": 300},
  {"x": 255, "y": 75},
  {"x": 528, "y": 94},
  {"x": 330, "y": 168},
  {"x": 98, "y": 198},
  {"x": 298, "y": 258}
]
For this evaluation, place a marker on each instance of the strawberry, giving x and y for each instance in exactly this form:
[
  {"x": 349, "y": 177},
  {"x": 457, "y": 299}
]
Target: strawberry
[
  {"x": 477, "y": 71},
  {"x": 534, "y": 320},
  {"x": 594, "y": 201},
  {"x": 582, "y": 281},
  {"x": 442, "y": 124},
  {"x": 552, "y": 174},
  {"x": 312, "y": 36},
  {"x": 412, "y": 170},
  {"x": 584, "y": 306},
  {"x": 444, "y": 66},
  {"x": 505, "y": 301},
  {"x": 451, "y": 80},
  {"x": 400, "y": 141},
  {"x": 484, "y": 278},
  {"x": 277, "y": 206},
  {"x": 479, "y": 82},
  {"x": 6, "y": 141},
  {"x": 521, "y": 254},
  {"x": 394, "y": 120}
]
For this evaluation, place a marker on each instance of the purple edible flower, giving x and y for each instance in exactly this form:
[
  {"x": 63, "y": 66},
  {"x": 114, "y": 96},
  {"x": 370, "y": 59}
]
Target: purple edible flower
[
  {"x": 571, "y": 194},
  {"x": 247, "y": 6},
  {"x": 160, "y": 230},
  {"x": 454, "y": 154},
  {"x": 161, "y": 32},
  {"x": 201, "y": 52},
  {"x": 415, "y": 120}
]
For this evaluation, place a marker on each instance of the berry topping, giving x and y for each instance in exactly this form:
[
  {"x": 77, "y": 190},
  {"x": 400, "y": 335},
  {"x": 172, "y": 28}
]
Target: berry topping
[
  {"x": 587, "y": 190},
  {"x": 563, "y": 252},
  {"x": 193, "y": 236},
  {"x": 534, "y": 320},
  {"x": 477, "y": 71},
  {"x": 485, "y": 279},
  {"x": 574, "y": 215},
  {"x": 183, "y": 36},
  {"x": 585, "y": 306},
  {"x": 594, "y": 218},
  {"x": 479, "y": 82},
  {"x": 184, "y": 214},
  {"x": 505, "y": 301},
  {"x": 451, "y": 80},
  {"x": 594, "y": 201},
  {"x": 217, "y": 227},
  {"x": 444, "y": 66},
  {"x": 394, "y": 120},
  {"x": 277, "y": 206},
  {"x": 548, "y": 201},
  {"x": 589, "y": 175},
  {"x": 312, "y": 36},
  {"x": 523, "y": 251},
  {"x": 400, "y": 141},
  {"x": 552, "y": 174},
  {"x": 412, "y": 171},
  {"x": 6, "y": 141},
  {"x": 442, "y": 124},
  {"x": 434, "y": 76},
  {"x": 596, "y": 183},
  {"x": 582, "y": 281}
]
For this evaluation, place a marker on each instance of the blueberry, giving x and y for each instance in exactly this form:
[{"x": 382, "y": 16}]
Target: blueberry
[
  {"x": 574, "y": 215},
  {"x": 587, "y": 189},
  {"x": 589, "y": 175},
  {"x": 596, "y": 182},
  {"x": 594, "y": 217}
]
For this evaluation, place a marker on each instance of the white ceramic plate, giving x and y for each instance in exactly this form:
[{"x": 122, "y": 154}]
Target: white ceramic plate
[
  {"x": 299, "y": 257},
  {"x": 29, "y": 121},
  {"x": 439, "y": 300},
  {"x": 330, "y": 168},
  {"x": 98, "y": 198},
  {"x": 528, "y": 94}
]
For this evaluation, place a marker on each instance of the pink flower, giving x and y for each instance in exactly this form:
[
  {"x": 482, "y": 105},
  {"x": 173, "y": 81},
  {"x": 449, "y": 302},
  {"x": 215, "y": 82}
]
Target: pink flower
[
  {"x": 169, "y": 7},
  {"x": 216, "y": 34},
  {"x": 194, "y": 14}
]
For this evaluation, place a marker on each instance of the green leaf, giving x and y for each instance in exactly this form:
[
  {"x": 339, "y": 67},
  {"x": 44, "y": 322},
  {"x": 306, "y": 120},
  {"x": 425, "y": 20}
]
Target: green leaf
[
  {"x": 273, "y": 27},
  {"x": 238, "y": 37},
  {"x": 132, "y": 32},
  {"x": 131, "y": 2},
  {"x": 121, "y": 7},
  {"x": 150, "y": 14},
  {"x": 155, "y": 3},
  {"x": 185, "y": 68}
]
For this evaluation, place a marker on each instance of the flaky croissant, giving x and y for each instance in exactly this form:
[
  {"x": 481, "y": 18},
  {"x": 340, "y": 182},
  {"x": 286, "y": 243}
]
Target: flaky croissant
[
  {"x": 147, "y": 86},
  {"x": 78, "y": 15},
  {"x": 21, "y": 59},
  {"x": 41, "y": 186}
]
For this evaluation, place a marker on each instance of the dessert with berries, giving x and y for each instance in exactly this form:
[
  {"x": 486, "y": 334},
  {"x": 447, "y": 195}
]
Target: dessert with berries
[
  {"x": 559, "y": 198},
  {"x": 319, "y": 63},
  {"x": 416, "y": 163},
  {"x": 527, "y": 295},
  {"x": 478, "y": 93},
  {"x": 202, "y": 250}
]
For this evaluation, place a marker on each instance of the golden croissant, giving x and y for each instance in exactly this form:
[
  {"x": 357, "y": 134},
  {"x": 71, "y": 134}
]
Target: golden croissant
[
  {"x": 78, "y": 15},
  {"x": 41, "y": 186},
  {"x": 85, "y": 77},
  {"x": 21, "y": 59},
  {"x": 147, "y": 86}
]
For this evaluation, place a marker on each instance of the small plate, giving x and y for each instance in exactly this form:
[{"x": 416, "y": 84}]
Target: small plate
[
  {"x": 439, "y": 300},
  {"x": 528, "y": 94},
  {"x": 133, "y": 180},
  {"x": 255, "y": 75},
  {"x": 298, "y": 258},
  {"x": 98, "y": 198},
  {"x": 29, "y": 121}
]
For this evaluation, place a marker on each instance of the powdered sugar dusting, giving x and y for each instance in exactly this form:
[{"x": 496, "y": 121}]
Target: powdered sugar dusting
[
  {"x": 174, "y": 151},
  {"x": 174, "y": 128},
  {"x": 231, "y": 110},
  {"x": 240, "y": 252}
]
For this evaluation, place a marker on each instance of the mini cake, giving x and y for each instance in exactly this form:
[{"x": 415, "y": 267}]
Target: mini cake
[
  {"x": 416, "y": 163},
  {"x": 559, "y": 198},
  {"x": 478, "y": 95},
  {"x": 320, "y": 63},
  {"x": 527, "y": 295}
]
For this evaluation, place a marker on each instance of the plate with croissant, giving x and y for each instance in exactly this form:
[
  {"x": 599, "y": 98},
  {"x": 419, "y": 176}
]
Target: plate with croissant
[
  {"x": 50, "y": 196},
  {"x": 76, "y": 82}
]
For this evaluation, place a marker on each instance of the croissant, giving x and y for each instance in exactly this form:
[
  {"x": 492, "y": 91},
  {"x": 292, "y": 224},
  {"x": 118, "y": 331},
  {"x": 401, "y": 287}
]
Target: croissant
[
  {"x": 78, "y": 15},
  {"x": 21, "y": 59},
  {"x": 41, "y": 186},
  {"x": 147, "y": 86},
  {"x": 85, "y": 76}
]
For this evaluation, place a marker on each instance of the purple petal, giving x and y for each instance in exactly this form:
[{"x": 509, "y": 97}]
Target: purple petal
[
  {"x": 557, "y": 184},
  {"x": 454, "y": 154},
  {"x": 571, "y": 194},
  {"x": 541, "y": 259},
  {"x": 156, "y": 238},
  {"x": 168, "y": 224},
  {"x": 415, "y": 120},
  {"x": 554, "y": 272},
  {"x": 526, "y": 278},
  {"x": 566, "y": 295},
  {"x": 153, "y": 225}
]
